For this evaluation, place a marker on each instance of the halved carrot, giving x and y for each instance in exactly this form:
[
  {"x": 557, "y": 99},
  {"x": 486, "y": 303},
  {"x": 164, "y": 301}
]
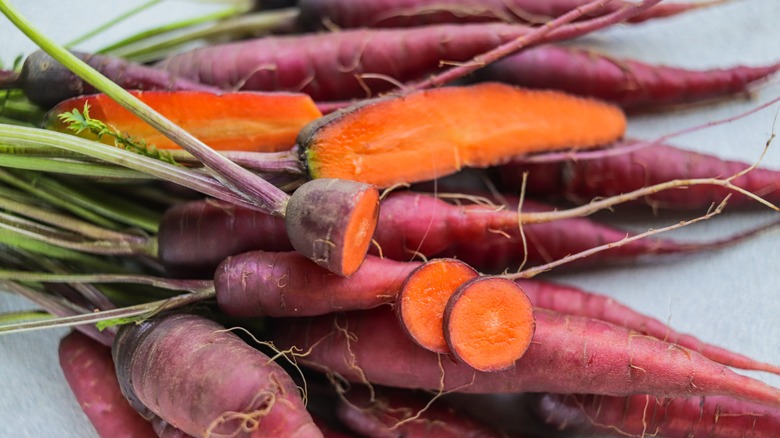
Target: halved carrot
[
  {"x": 242, "y": 121},
  {"x": 428, "y": 134},
  {"x": 489, "y": 323},
  {"x": 423, "y": 298}
]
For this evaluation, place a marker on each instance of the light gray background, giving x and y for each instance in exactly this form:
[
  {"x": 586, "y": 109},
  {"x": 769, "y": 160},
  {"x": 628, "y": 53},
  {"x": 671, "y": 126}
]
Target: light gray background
[{"x": 729, "y": 297}]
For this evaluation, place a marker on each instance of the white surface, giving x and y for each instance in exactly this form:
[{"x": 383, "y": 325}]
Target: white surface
[{"x": 730, "y": 297}]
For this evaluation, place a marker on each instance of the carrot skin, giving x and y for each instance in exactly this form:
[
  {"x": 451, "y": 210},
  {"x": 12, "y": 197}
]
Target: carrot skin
[
  {"x": 287, "y": 284},
  {"x": 175, "y": 366},
  {"x": 47, "y": 82},
  {"x": 406, "y": 13},
  {"x": 695, "y": 417},
  {"x": 89, "y": 370},
  {"x": 569, "y": 355},
  {"x": 585, "y": 179},
  {"x": 633, "y": 85}
]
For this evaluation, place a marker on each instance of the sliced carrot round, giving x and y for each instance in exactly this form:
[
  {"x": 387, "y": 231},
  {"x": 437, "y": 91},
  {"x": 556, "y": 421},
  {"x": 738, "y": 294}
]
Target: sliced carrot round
[
  {"x": 424, "y": 296},
  {"x": 489, "y": 323}
]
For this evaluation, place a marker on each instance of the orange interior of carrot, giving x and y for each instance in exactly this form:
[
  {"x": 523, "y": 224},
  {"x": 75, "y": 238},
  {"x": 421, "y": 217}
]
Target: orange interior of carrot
[
  {"x": 489, "y": 323},
  {"x": 244, "y": 121},
  {"x": 424, "y": 296},
  {"x": 360, "y": 231},
  {"x": 433, "y": 133}
]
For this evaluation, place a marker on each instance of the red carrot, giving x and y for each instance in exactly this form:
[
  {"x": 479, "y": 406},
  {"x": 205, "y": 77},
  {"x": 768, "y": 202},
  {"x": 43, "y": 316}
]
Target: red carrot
[
  {"x": 196, "y": 236},
  {"x": 585, "y": 179},
  {"x": 645, "y": 415},
  {"x": 402, "y": 13},
  {"x": 569, "y": 354},
  {"x": 632, "y": 84},
  {"x": 570, "y": 300},
  {"x": 169, "y": 365},
  {"x": 89, "y": 370},
  {"x": 288, "y": 284},
  {"x": 47, "y": 82},
  {"x": 340, "y": 65}
]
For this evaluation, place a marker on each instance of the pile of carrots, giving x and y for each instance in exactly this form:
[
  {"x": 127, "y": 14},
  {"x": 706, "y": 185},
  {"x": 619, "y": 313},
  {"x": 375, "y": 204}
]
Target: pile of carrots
[{"x": 312, "y": 233}]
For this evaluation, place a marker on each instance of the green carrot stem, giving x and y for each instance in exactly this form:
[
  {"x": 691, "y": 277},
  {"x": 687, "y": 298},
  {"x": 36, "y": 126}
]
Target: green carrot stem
[
  {"x": 252, "y": 188},
  {"x": 113, "y": 49},
  {"x": 148, "y": 280},
  {"x": 120, "y": 18},
  {"x": 30, "y": 315},
  {"x": 24, "y": 136},
  {"x": 254, "y": 24},
  {"x": 17, "y": 240},
  {"x": 70, "y": 167}
]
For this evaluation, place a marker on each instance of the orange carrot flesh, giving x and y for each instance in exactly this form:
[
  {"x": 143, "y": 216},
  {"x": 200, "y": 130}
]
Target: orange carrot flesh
[
  {"x": 360, "y": 230},
  {"x": 428, "y": 134},
  {"x": 489, "y": 323},
  {"x": 424, "y": 297},
  {"x": 245, "y": 121}
]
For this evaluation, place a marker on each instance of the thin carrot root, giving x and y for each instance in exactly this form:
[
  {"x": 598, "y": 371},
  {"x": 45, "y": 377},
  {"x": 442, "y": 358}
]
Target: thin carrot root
[
  {"x": 489, "y": 323},
  {"x": 332, "y": 222},
  {"x": 423, "y": 299}
]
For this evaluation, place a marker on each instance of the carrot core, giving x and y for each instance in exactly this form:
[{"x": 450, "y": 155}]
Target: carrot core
[{"x": 489, "y": 323}]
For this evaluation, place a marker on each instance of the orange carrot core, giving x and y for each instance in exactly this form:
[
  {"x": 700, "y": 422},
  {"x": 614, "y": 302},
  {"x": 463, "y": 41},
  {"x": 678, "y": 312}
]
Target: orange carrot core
[
  {"x": 424, "y": 296},
  {"x": 489, "y": 323}
]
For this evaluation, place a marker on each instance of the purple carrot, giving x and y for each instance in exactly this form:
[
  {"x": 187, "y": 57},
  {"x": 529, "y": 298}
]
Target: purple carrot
[
  {"x": 632, "y": 84},
  {"x": 405, "y": 13},
  {"x": 569, "y": 354},
  {"x": 645, "y": 415},
  {"x": 585, "y": 179},
  {"x": 573, "y": 301},
  {"x": 334, "y": 66},
  {"x": 47, "y": 82}
]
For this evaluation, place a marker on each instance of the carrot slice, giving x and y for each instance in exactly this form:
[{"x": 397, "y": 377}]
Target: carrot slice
[
  {"x": 489, "y": 323},
  {"x": 423, "y": 298},
  {"x": 244, "y": 121},
  {"x": 428, "y": 134}
]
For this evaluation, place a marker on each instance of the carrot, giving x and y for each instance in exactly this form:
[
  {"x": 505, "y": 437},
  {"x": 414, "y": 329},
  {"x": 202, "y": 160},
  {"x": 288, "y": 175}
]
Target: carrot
[
  {"x": 568, "y": 354},
  {"x": 287, "y": 284},
  {"x": 384, "y": 13},
  {"x": 89, "y": 370},
  {"x": 350, "y": 63},
  {"x": 165, "y": 430},
  {"x": 489, "y": 323},
  {"x": 453, "y": 127},
  {"x": 586, "y": 179},
  {"x": 247, "y": 121},
  {"x": 633, "y": 85},
  {"x": 47, "y": 82},
  {"x": 645, "y": 415},
  {"x": 194, "y": 237},
  {"x": 570, "y": 300},
  {"x": 168, "y": 364},
  {"x": 423, "y": 299},
  {"x": 395, "y": 413}
]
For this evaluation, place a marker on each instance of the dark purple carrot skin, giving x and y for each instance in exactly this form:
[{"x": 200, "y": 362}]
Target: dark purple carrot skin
[
  {"x": 585, "y": 179},
  {"x": 175, "y": 366},
  {"x": 195, "y": 237},
  {"x": 570, "y": 300},
  {"x": 89, "y": 370},
  {"x": 569, "y": 355},
  {"x": 644, "y": 415},
  {"x": 288, "y": 284},
  {"x": 406, "y": 13},
  {"x": 389, "y": 415},
  {"x": 47, "y": 82},
  {"x": 633, "y": 85},
  {"x": 165, "y": 430}
]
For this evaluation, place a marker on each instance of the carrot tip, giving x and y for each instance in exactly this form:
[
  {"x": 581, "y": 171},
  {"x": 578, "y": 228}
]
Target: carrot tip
[{"x": 489, "y": 323}]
